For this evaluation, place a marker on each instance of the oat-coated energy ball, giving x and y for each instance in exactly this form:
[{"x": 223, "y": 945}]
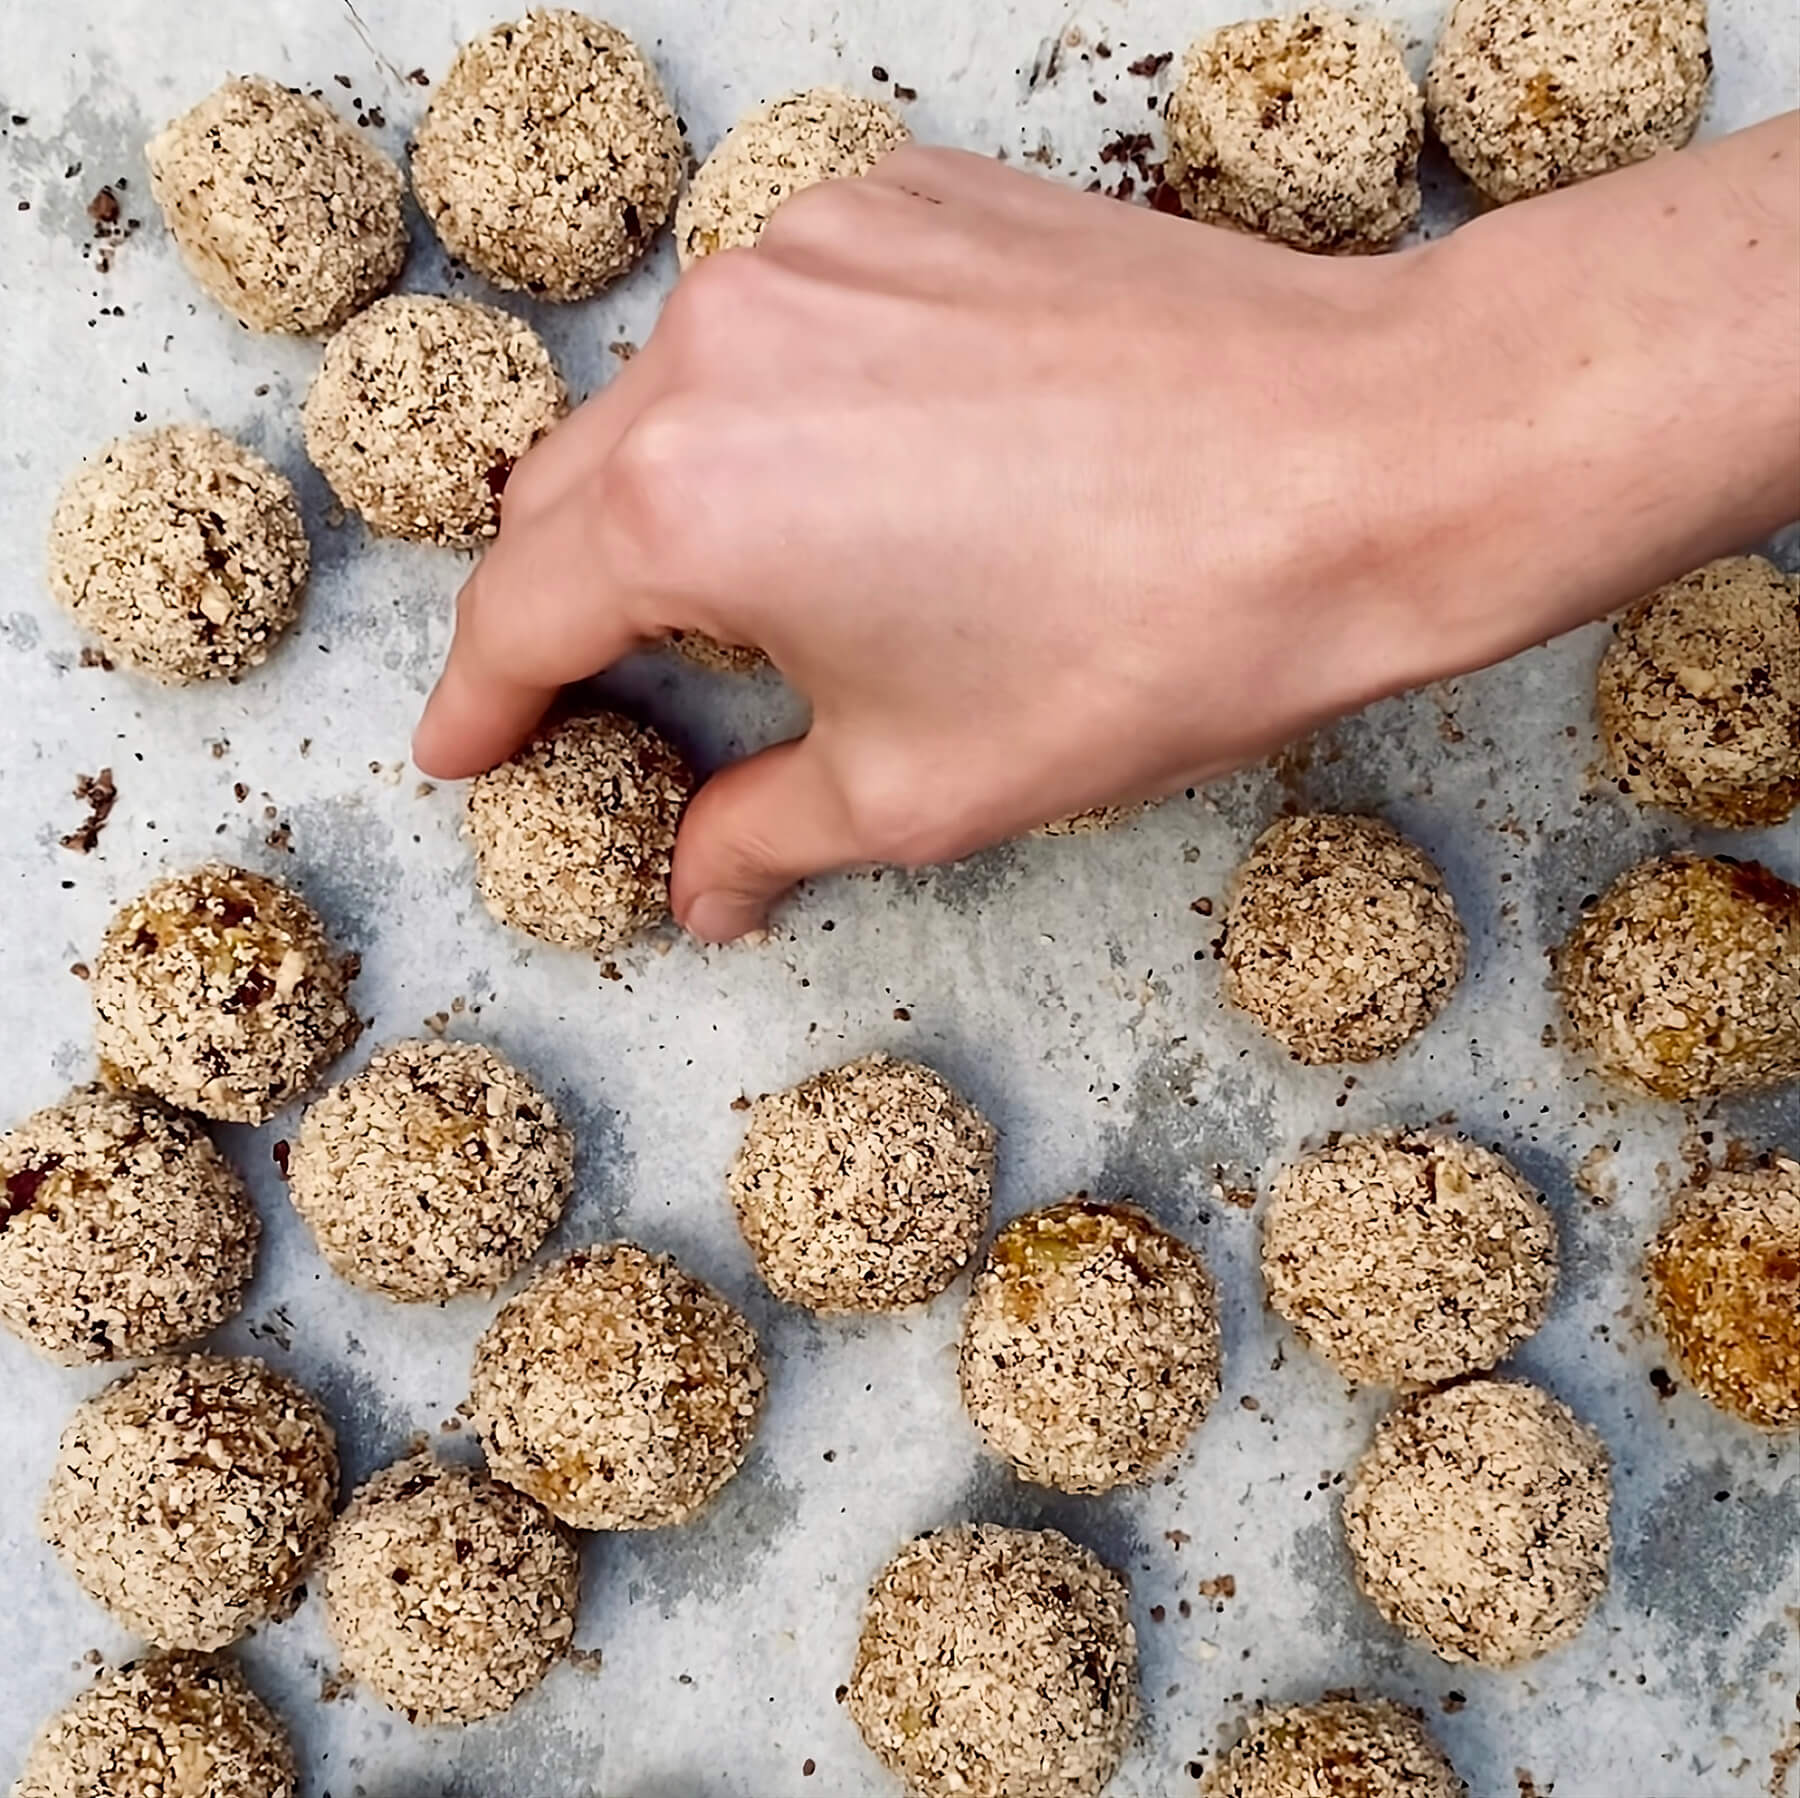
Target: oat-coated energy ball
[
  {"x": 1724, "y": 1275},
  {"x": 1528, "y": 95},
  {"x": 721, "y": 658},
  {"x": 617, "y": 1390},
  {"x": 421, "y": 407},
  {"x": 864, "y": 1188},
  {"x": 182, "y": 551},
  {"x": 190, "y": 1497},
  {"x": 1408, "y": 1257},
  {"x": 1341, "y": 938},
  {"x": 997, "y": 1663},
  {"x": 281, "y": 212},
  {"x": 123, "y": 1230},
  {"x": 549, "y": 157},
  {"x": 1336, "y": 1748},
  {"x": 1479, "y": 1521},
  {"x": 1305, "y": 129},
  {"x": 437, "y": 1170},
  {"x": 574, "y": 837},
  {"x": 167, "y": 1726},
  {"x": 220, "y": 992},
  {"x": 1090, "y": 1347},
  {"x": 448, "y": 1594},
  {"x": 1683, "y": 981},
  {"x": 1699, "y": 695},
  {"x": 823, "y": 134}
]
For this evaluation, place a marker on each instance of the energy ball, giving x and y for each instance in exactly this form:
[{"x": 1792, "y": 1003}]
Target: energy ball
[
  {"x": 617, "y": 1390},
  {"x": 1305, "y": 129},
  {"x": 421, "y": 407},
  {"x": 1348, "y": 1747},
  {"x": 1408, "y": 1258},
  {"x": 1478, "y": 1521},
  {"x": 775, "y": 150},
  {"x": 864, "y": 1188},
  {"x": 1683, "y": 981},
  {"x": 190, "y": 1497},
  {"x": 574, "y": 837},
  {"x": 437, "y": 1170},
  {"x": 448, "y": 1594},
  {"x": 1528, "y": 95},
  {"x": 995, "y": 1663},
  {"x": 181, "y": 551},
  {"x": 549, "y": 157},
  {"x": 220, "y": 992},
  {"x": 1341, "y": 939},
  {"x": 1724, "y": 1275},
  {"x": 1090, "y": 1347},
  {"x": 281, "y": 212},
  {"x": 1699, "y": 695},
  {"x": 168, "y": 1726},
  {"x": 123, "y": 1230}
]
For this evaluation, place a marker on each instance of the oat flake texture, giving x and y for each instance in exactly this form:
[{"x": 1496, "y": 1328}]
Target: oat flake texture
[
  {"x": 1408, "y": 1257},
  {"x": 286, "y": 216},
  {"x": 448, "y": 1594},
  {"x": 574, "y": 837},
  {"x": 549, "y": 157},
  {"x": 997, "y": 1663},
  {"x": 219, "y": 992},
  {"x": 1305, "y": 129},
  {"x": 1336, "y": 1748},
  {"x": 1683, "y": 981},
  {"x": 1341, "y": 938},
  {"x": 191, "y": 1496},
  {"x": 1090, "y": 1346},
  {"x": 617, "y": 1390},
  {"x": 1479, "y": 1521},
  {"x": 167, "y": 1726},
  {"x": 123, "y": 1230},
  {"x": 1699, "y": 695},
  {"x": 437, "y": 1170},
  {"x": 1724, "y": 1274},
  {"x": 181, "y": 551},
  {"x": 864, "y": 1188},
  {"x": 775, "y": 150},
  {"x": 1528, "y": 95}
]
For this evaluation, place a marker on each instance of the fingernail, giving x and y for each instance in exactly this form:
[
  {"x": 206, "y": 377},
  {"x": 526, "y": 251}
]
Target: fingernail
[{"x": 720, "y": 917}]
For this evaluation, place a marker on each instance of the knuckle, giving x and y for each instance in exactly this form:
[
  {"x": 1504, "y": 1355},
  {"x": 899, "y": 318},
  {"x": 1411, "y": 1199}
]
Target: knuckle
[
  {"x": 825, "y": 212},
  {"x": 719, "y": 294},
  {"x": 891, "y": 821},
  {"x": 643, "y": 520}
]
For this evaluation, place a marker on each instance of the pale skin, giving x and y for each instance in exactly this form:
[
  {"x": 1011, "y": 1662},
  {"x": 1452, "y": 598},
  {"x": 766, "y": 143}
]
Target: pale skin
[{"x": 1046, "y": 502}]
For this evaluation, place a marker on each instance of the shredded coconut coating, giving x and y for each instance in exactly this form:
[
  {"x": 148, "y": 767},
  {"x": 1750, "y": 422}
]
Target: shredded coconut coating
[
  {"x": 1528, "y": 95},
  {"x": 549, "y": 157},
  {"x": 1683, "y": 981},
  {"x": 997, "y": 1663},
  {"x": 219, "y": 992},
  {"x": 1478, "y": 1521},
  {"x": 1408, "y": 1258},
  {"x": 721, "y": 658},
  {"x": 167, "y": 1726},
  {"x": 281, "y": 212},
  {"x": 421, "y": 407},
  {"x": 575, "y": 836},
  {"x": 864, "y": 1188},
  {"x": 775, "y": 150},
  {"x": 1335, "y": 1748},
  {"x": 1724, "y": 1275},
  {"x": 181, "y": 551},
  {"x": 1090, "y": 1346},
  {"x": 1699, "y": 695},
  {"x": 1341, "y": 938},
  {"x": 123, "y": 1230},
  {"x": 190, "y": 1497},
  {"x": 437, "y": 1170},
  {"x": 448, "y": 1594},
  {"x": 1305, "y": 129},
  {"x": 617, "y": 1390}
]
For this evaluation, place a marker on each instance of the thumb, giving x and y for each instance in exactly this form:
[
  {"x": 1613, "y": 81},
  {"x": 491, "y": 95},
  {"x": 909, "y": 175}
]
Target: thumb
[{"x": 752, "y": 831}]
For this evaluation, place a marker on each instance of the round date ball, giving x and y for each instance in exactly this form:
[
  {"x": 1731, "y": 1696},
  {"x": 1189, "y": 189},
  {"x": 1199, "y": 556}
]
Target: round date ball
[{"x": 1336, "y": 1748}]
